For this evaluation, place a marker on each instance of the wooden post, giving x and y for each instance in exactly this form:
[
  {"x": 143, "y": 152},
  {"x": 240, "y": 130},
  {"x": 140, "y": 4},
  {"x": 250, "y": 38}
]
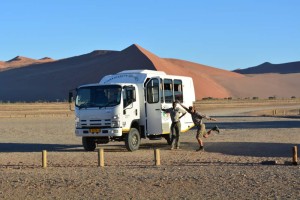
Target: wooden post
[
  {"x": 44, "y": 159},
  {"x": 295, "y": 155},
  {"x": 100, "y": 157},
  {"x": 157, "y": 157}
]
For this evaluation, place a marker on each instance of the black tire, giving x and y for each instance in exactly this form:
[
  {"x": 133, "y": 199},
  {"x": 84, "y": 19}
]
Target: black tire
[
  {"x": 88, "y": 143},
  {"x": 133, "y": 140},
  {"x": 169, "y": 138}
]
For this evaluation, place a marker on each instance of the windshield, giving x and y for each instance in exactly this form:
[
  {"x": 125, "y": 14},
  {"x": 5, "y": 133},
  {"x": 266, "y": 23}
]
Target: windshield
[{"x": 98, "y": 96}]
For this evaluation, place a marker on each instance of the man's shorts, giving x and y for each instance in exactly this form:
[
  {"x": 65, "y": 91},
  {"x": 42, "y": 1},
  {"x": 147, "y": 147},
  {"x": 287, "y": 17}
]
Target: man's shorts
[{"x": 201, "y": 131}]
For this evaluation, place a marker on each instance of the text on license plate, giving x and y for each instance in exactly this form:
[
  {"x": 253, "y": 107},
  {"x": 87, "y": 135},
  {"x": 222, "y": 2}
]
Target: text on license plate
[{"x": 94, "y": 130}]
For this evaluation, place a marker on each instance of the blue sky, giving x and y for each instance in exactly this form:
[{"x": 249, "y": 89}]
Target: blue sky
[{"x": 226, "y": 34}]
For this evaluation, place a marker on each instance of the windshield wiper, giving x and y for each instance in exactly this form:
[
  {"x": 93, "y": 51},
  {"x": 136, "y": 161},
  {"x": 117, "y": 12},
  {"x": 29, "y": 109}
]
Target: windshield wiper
[
  {"x": 87, "y": 105},
  {"x": 112, "y": 103}
]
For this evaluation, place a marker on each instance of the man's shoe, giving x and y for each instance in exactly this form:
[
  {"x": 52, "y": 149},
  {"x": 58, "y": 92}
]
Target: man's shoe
[
  {"x": 201, "y": 148},
  {"x": 177, "y": 147},
  {"x": 216, "y": 128},
  {"x": 172, "y": 148}
]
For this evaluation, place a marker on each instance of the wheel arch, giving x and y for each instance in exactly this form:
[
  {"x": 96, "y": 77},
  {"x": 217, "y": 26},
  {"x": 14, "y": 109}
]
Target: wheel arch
[{"x": 136, "y": 124}]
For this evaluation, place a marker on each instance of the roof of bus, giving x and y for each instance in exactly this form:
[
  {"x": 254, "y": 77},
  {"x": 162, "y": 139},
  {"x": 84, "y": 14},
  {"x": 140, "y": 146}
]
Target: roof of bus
[{"x": 142, "y": 71}]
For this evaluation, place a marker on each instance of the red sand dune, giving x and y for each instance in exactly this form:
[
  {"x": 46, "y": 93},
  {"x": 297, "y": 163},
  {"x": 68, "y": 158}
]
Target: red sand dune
[
  {"x": 202, "y": 75},
  {"x": 20, "y": 61},
  {"x": 2, "y": 65},
  {"x": 51, "y": 81}
]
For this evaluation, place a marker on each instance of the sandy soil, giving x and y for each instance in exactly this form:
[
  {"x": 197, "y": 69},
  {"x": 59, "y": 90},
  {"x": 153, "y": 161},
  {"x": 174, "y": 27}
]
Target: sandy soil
[{"x": 230, "y": 167}]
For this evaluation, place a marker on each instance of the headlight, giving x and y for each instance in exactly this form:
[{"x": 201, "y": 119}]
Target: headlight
[
  {"x": 77, "y": 122},
  {"x": 115, "y": 121},
  {"x": 115, "y": 124},
  {"x": 116, "y": 117}
]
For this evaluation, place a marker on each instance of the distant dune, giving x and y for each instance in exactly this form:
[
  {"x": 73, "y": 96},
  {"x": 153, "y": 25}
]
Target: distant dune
[
  {"x": 284, "y": 68},
  {"x": 20, "y": 61},
  {"x": 49, "y": 80}
]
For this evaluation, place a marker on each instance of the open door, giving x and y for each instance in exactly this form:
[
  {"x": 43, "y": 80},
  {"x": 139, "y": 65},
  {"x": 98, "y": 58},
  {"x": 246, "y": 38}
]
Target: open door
[{"x": 153, "y": 106}]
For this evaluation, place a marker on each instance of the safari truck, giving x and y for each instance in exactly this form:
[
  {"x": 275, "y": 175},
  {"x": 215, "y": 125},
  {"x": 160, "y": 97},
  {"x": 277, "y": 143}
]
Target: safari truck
[{"x": 127, "y": 107}]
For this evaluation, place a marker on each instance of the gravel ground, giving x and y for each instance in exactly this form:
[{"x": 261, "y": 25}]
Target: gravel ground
[{"x": 230, "y": 167}]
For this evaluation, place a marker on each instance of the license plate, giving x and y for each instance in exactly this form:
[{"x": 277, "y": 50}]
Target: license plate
[{"x": 95, "y": 130}]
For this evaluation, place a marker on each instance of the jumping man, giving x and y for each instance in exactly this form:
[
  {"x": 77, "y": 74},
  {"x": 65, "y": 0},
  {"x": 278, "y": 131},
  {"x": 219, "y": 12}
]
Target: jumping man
[{"x": 201, "y": 131}]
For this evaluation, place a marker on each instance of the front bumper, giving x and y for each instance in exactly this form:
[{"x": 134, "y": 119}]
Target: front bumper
[{"x": 89, "y": 132}]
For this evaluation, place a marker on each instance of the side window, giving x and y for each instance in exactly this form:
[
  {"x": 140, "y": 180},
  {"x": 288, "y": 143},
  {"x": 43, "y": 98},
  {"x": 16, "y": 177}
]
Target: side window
[
  {"x": 178, "y": 93},
  {"x": 153, "y": 91},
  {"x": 129, "y": 96},
  {"x": 161, "y": 87},
  {"x": 83, "y": 96},
  {"x": 168, "y": 90},
  {"x": 145, "y": 83}
]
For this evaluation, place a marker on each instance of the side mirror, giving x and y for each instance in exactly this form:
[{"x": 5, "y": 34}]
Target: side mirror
[{"x": 70, "y": 97}]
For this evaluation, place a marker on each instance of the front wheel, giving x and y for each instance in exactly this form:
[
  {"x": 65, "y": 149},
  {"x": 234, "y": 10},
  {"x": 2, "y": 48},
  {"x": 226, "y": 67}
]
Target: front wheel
[
  {"x": 89, "y": 143},
  {"x": 133, "y": 140}
]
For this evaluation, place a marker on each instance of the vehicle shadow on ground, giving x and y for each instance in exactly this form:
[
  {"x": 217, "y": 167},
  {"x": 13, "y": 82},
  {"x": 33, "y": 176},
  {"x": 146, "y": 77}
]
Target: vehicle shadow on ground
[
  {"x": 254, "y": 125},
  {"x": 31, "y": 147},
  {"x": 144, "y": 146},
  {"x": 252, "y": 149}
]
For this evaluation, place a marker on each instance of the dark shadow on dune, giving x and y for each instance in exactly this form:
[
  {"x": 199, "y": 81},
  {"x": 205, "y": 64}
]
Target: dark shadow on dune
[
  {"x": 30, "y": 147},
  {"x": 253, "y": 149},
  {"x": 255, "y": 125}
]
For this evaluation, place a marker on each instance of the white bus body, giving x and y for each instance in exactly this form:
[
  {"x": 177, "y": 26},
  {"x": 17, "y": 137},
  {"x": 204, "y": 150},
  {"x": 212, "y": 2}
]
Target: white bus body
[{"x": 130, "y": 107}]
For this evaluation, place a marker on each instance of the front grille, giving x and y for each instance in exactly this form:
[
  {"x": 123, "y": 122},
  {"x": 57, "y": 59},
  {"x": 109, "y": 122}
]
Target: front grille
[
  {"x": 101, "y": 127},
  {"x": 101, "y": 123}
]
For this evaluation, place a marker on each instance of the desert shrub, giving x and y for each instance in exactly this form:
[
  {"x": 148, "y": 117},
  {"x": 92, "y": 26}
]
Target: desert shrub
[
  {"x": 207, "y": 98},
  {"x": 255, "y": 98},
  {"x": 273, "y": 97},
  {"x": 293, "y": 97}
]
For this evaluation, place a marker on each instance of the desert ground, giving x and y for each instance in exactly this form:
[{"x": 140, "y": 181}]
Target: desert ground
[{"x": 230, "y": 168}]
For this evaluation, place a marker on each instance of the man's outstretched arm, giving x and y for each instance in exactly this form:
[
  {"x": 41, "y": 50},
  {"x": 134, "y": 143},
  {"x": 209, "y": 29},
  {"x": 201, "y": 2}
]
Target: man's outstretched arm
[{"x": 185, "y": 108}]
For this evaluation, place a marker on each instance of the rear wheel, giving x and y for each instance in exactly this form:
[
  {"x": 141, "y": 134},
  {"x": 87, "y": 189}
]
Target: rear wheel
[
  {"x": 169, "y": 138},
  {"x": 89, "y": 143},
  {"x": 133, "y": 140}
]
